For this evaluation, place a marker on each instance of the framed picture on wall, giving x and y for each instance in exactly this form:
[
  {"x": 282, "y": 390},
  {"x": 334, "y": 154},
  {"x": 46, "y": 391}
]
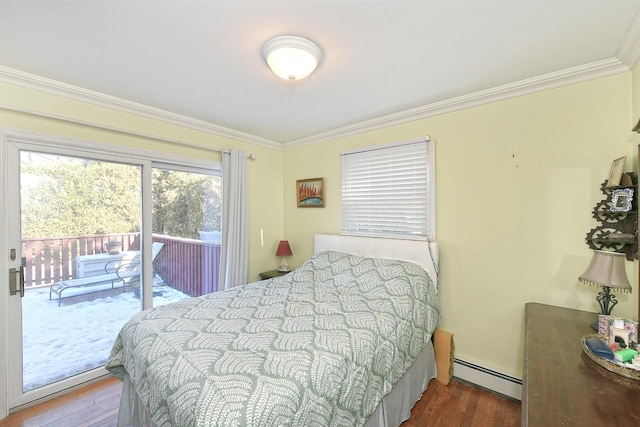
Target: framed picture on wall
[{"x": 310, "y": 193}]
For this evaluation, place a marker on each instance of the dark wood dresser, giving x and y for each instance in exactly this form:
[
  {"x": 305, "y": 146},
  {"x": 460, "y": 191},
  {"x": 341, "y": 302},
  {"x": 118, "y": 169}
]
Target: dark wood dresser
[{"x": 561, "y": 385}]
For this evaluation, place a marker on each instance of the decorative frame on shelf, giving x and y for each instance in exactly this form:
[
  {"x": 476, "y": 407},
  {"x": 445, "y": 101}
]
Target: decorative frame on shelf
[
  {"x": 310, "y": 193},
  {"x": 621, "y": 200},
  {"x": 615, "y": 175}
]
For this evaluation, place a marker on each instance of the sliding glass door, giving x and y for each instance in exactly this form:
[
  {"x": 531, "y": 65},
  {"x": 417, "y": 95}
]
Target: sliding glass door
[
  {"x": 93, "y": 238},
  {"x": 75, "y": 231}
]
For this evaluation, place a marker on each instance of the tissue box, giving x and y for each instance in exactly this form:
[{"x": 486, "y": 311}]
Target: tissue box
[
  {"x": 605, "y": 323},
  {"x": 620, "y": 334},
  {"x": 632, "y": 327}
]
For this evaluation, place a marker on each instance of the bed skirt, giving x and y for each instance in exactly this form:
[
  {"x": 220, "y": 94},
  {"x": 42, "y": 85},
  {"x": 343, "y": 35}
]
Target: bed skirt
[{"x": 392, "y": 411}]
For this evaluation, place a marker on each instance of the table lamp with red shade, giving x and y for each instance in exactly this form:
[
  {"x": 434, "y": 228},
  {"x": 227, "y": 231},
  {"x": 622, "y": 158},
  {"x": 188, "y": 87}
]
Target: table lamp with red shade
[{"x": 284, "y": 250}]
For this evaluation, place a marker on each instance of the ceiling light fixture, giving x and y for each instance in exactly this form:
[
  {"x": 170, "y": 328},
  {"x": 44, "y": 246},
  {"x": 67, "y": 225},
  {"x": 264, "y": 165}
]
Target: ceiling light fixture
[{"x": 291, "y": 57}]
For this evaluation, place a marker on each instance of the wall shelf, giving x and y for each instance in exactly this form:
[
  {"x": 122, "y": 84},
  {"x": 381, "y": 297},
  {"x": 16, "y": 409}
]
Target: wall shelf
[{"x": 617, "y": 231}]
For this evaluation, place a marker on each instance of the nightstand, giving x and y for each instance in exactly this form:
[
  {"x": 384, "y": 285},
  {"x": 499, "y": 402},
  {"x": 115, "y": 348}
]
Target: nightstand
[{"x": 271, "y": 274}]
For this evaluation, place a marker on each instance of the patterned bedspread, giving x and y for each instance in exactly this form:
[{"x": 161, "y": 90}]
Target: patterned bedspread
[{"x": 320, "y": 346}]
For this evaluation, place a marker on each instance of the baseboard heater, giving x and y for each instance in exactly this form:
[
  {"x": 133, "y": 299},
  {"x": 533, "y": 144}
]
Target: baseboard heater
[{"x": 487, "y": 378}]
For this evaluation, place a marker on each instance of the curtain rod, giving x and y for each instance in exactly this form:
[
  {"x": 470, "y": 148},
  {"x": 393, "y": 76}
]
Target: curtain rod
[{"x": 115, "y": 129}]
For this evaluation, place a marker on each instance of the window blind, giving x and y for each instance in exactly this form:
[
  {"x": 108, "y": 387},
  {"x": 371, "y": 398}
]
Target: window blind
[{"x": 387, "y": 190}]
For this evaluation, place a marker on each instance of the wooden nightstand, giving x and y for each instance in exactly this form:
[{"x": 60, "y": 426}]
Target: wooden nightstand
[{"x": 271, "y": 274}]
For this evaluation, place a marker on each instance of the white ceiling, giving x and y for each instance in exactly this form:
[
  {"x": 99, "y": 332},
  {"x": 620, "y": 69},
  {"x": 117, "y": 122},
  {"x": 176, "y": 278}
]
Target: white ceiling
[{"x": 383, "y": 59}]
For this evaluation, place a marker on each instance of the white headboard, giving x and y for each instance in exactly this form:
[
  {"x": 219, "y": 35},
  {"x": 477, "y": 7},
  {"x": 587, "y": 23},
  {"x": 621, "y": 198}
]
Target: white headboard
[{"x": 420, "y": 252}]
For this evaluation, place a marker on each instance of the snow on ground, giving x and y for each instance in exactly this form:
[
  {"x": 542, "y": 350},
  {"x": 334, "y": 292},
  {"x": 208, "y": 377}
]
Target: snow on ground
[{"x": 59, "y": 342}]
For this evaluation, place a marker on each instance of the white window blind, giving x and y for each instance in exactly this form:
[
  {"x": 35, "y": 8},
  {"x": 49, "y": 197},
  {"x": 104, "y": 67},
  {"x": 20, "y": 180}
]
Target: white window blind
[{"x": 388, "y": 190}]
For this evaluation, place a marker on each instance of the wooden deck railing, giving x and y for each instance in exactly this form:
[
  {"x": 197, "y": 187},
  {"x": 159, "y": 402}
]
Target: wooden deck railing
[
  {"x": 50, "y": 260},
  {"x": 188, "y": 265}
]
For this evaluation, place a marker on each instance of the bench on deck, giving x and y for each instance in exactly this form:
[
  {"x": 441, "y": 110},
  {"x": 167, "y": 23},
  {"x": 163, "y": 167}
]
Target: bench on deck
[
  {"x": 127, "y": 272},
  {"x": 92, "y": 281}
]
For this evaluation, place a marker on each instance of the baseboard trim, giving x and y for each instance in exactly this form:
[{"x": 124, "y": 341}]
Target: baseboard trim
[{"x": 487, "y": 378}]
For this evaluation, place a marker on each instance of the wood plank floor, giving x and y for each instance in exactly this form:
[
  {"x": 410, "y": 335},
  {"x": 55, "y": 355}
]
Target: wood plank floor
[
  {"x": 456, "y": 404},
  {"x": 462, "y": 404}
]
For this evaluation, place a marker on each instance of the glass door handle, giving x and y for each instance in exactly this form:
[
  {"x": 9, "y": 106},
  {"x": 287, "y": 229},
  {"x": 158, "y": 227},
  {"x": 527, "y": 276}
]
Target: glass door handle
[{"x": 15, "y": 276}]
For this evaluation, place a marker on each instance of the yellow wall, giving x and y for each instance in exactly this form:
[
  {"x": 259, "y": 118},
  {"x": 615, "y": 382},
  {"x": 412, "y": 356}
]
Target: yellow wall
[
  {"x": 636, "y": 97},
  {"x": 264, "y": 174},
  {"x": 516, "y": 182}
]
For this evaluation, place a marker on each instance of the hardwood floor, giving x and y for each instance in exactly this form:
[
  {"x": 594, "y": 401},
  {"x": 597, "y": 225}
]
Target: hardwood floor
[
  {"x": 94, "y": 405},
  {"x": 462, "y": 404},
  {"x": 456, "y": 404}
]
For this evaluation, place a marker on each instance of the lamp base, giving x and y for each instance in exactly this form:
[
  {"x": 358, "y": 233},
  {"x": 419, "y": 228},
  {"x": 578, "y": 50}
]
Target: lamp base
[{"x": 284, "y": 265}]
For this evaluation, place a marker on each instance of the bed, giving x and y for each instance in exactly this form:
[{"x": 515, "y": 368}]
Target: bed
[{"x": 343, "y": 340}]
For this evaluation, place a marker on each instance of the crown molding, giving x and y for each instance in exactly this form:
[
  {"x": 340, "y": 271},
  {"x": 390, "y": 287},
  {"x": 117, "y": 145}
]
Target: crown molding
[
  {"x": 44, "y": 84},
  {"x": 629, "y": 51},
  {"x": 573, "y": 75},
  {"x": 569, "y": 76}
]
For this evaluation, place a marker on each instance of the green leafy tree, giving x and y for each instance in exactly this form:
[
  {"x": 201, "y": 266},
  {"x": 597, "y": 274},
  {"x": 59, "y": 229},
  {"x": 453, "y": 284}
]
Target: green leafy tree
[
  {"x": 70, "y": 196},
  {"x": 64, "y": 196},
  {"x": 185, "y": 203}
]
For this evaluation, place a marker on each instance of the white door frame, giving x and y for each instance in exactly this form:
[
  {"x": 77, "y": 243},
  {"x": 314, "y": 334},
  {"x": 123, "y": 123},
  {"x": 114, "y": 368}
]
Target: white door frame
[
  {"x": 4, "y": 285},
  {"x": 92, "y": 149},
  {"x": 16, "y": 397}
]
